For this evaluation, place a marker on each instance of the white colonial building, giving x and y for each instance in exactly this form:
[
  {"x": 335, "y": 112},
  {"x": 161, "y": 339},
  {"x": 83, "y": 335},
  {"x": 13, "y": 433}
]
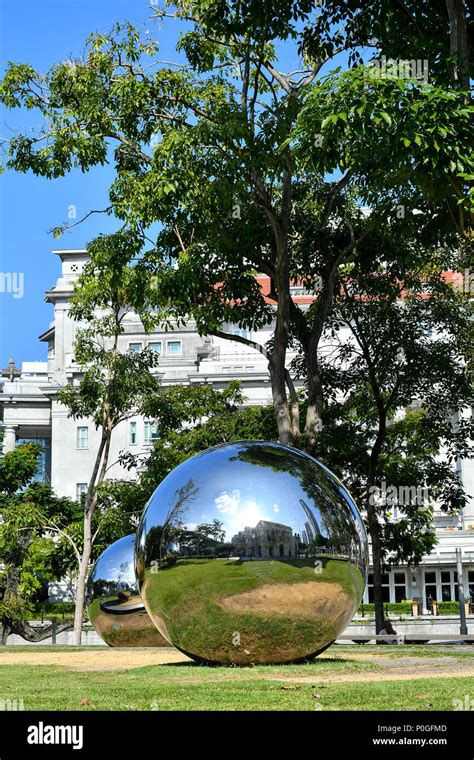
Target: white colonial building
[{"x": 30, "y": 411}]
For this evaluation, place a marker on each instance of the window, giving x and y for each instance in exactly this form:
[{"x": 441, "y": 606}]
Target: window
[
  {"x": 400, "y": 586},
  {"x": 133, "y": 433},
  {"x": 135, "y": 347},
  {"x": 470, "y": 576},
  {"x": 299, "y": 290},
  {"x": 442, "y": 585},
  {"x": 449, "y": 586},
  {"x": 385, "y": 587},
  {"x": 173, "y": 347},
  {"x": 430, "y": 586},
  {"x": 82, "y": 437},
  {"x": 156, "y": 346},
  {"x": 151, "y": 431},
  {"x": 81, "y": 490},
  {"x": 235, "y": 329}
]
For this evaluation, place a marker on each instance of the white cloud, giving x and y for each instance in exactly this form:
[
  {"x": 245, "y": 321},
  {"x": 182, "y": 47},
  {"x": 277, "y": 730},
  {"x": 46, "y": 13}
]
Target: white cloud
[{"x": 228, "y": 503}]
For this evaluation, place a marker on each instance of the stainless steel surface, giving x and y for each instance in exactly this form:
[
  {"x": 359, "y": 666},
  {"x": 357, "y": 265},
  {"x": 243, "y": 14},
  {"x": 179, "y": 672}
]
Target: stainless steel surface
[
  {"x": 251, "y": 552},
  {"x": 114, "y": 604}
]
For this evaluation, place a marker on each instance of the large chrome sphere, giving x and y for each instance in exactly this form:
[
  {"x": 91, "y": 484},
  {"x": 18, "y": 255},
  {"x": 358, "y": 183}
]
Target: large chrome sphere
[
  {"x": 251, "y": 552},
  {"x": 115, "y": 607}
]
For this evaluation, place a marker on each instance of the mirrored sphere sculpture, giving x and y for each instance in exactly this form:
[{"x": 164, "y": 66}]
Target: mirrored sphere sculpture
[
  {"x": 114, "y": 604},
  {"x": 251, "y": 552}
]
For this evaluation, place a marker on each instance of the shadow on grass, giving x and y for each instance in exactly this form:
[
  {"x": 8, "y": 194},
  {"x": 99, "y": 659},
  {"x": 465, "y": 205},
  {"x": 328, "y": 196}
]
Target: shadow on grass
[{"x": 247, "y": 666}]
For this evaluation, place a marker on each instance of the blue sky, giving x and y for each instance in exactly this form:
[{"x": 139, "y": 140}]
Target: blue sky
[{"x": 41, "y": 34}]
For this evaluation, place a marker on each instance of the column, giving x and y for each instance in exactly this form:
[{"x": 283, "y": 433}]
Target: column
[{"x": 9, "y": 438}]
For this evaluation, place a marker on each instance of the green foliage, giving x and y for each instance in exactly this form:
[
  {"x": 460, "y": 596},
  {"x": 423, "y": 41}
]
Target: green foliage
[
  {"x": 50, "y": 609},
  {"x": 424, "y": 129},
  {"x": 18, "y": 468},
  {"x": 223, "y": 425},
  {"x": 28, "y": 511},
  {"x": 448, "y": 608},
  {"x": 416, "y": 29},
  {"x": 389, "y": 355},
  {"x": 394, "y": 608}
]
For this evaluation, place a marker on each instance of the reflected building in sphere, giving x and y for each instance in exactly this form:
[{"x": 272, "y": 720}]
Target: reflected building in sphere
[
  {"x": 223, "y": 569},
  {"x": 115, "y": 607},
  {"x": 267, "y": 540}
]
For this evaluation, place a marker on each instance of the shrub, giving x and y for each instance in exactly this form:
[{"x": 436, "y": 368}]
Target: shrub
[
  {"x": 51, "y": 609},
  {"x": 448, "y": 608},
  {"x": 397, "y": 608}
]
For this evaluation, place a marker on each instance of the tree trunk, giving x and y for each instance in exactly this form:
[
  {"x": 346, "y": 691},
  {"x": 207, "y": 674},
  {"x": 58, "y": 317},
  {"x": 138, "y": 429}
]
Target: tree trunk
[
  {"x": 314, "y": 421},
  {"x": 27, "y": 632},
  {"x": 81, "y": 579},
  {"x": 98, "y": 475},
  {"x": 277, "y": 366},
  {"x": 14, "y": 625},
  {"x": 281, "y": 406},
  {"x": 374, "y": 532},
  {"x": 459, "y": 42},
  {"x": 373, "y": 523}
]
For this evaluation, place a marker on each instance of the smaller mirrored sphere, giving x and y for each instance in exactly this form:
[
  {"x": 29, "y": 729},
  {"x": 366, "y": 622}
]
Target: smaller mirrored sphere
[
  {"x": 114, "y": 603},
  {"x": 251, "y": 552}
]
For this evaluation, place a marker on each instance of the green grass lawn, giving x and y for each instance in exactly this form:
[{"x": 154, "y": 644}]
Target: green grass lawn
[{"x": 196, "y": 687}]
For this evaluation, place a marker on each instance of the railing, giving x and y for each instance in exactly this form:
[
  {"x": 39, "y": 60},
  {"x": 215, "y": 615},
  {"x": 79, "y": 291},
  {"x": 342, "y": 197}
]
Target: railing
[{"x": 406, "y": 638}]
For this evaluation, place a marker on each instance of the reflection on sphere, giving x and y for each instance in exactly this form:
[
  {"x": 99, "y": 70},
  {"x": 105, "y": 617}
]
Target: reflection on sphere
[
  {"x": 251, "y": 552},
  {"x": 115, "y": 607}
]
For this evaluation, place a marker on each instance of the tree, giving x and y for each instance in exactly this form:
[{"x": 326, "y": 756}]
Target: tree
[
  {"x": 399, "y": 394},
  {"x": 428, "y": 118},
  {"x": 223, "y": 170},
  {"x": 26, "y": 509},
  {"x": 248, "y": 169},
  {"x": 114, "y": 384},
  {"x": 441, "y": 32},
  {"x": 202, "y": 417}
]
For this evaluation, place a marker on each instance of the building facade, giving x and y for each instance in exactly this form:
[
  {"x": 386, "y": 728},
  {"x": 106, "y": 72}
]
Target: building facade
[
  {"x": 267, "y": 540},
  {"x": 30, "y": 410}
]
